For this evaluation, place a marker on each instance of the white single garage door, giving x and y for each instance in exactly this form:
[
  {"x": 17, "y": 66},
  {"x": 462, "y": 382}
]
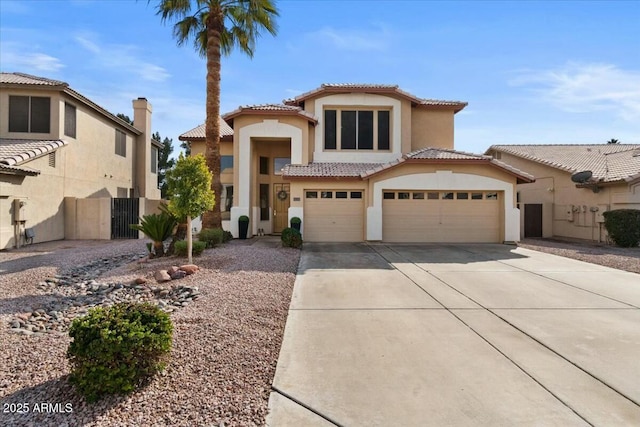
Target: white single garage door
[
  {"x": 333, "y": 216},
  {"x": 441, "y": 216}
]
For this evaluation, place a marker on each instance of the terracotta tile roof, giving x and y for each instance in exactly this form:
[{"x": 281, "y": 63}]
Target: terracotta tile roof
[
  {"x": 198, "y": 133},
  {"x": 13, "y": 79},
  {"x": 365, "y": 170},
  {"x": 16, "y": 151},
  {"x": 18, "y": 170},
  {"x": 374, "y": 88},
  {"x": 608, "y": 162},
  {"x": 328, "y": 169},
  {"x": 28, "y": 79},
  {"x": 269, "y": 109}
]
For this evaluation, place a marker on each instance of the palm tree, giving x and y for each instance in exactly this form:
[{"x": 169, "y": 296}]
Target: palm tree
[
  {"x": 216, "y": 27},
  {"x": 613, "y": 141}
]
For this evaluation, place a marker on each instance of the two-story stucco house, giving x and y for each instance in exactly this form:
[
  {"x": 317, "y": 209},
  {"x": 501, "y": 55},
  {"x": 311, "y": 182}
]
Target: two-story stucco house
[
  {"x": 606, "y": 177},
  {"x": 63, "y": 159},
  {"x": 362, "y": 163}
]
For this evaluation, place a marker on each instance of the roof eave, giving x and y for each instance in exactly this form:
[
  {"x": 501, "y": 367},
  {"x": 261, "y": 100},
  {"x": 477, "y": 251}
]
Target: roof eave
[{"x": 245, "y": 111}]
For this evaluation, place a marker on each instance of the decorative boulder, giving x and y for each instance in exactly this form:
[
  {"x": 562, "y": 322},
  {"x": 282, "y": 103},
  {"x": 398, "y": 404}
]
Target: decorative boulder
[
  {"x": 179, "y": 274},
  {"x": 172, "y": 269},
  {"x": 140, "y": 281},
  {"x": 189, "y": 268},
  {"x": 162, "y": 276}
]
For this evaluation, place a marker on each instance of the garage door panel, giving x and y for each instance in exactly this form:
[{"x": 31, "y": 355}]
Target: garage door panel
[
  {"x": 441, "y": 220},
  {"x": 334, "y": 220}
]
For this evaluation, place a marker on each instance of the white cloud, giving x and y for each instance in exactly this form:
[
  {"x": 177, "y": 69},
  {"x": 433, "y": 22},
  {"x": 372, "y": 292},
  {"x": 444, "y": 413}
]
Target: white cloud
[
  {"x": 353, "y": 40},
  {"x": 17, "y": 58},
  {"x": 582, "y": 88},
  {"x": 121, "y": 57}
]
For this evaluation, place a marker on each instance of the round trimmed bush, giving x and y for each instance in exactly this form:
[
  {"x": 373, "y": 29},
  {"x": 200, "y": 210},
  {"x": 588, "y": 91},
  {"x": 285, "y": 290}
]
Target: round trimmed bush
[
  {"x": 211, "y": 236},
  {"x": 623, "y": 226},
  {"x": 197, "y": 247},
  {"x": 117, "y": 349},
  {"x": 291, "y": 238}
]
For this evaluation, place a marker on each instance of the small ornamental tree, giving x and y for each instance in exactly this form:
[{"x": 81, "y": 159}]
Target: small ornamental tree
[{"x": 189, "y": 189}]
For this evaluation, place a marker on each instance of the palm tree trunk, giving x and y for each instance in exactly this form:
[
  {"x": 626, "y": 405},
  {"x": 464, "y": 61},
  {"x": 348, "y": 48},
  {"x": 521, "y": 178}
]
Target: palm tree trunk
[{"x": 215, "y": 23}]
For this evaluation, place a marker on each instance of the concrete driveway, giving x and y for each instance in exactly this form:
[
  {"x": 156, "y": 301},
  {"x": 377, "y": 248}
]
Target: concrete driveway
[{"x": 454, "y": 335}]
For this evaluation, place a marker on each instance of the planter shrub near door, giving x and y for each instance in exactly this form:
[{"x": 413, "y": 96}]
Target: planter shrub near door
[
  {"x": 243, "y": 226},
  {"x": 295, "y": 223}
]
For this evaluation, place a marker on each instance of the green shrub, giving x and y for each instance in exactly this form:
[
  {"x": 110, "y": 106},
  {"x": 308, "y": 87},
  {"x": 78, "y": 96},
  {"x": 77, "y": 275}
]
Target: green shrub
[
  {"x": 295, "y": 220},
  {"x": 243, "y": 218},
  {"x": 197, "y": 247},
  {"x": 157, "y": 227},
  {"x": 227, "y": 236},
  {"x": 211, "y": 236},
  {"x": 117, "y": 349},
  {"x": 623, "y": 226},
  {"x": 291, "y": 238}
]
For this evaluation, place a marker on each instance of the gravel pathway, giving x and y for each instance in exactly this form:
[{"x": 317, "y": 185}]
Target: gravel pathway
[
  {"x": 225, "y": 348},
  {"x": 596, "y": 253}
]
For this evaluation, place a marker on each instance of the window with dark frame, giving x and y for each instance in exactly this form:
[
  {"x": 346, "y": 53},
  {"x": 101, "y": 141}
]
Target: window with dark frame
[
  {"x": 29, "y": 114},
  {"x": 476, "y": 196},
  {"x": 341, "y": 194},
  {"x": 279, "y": 163},
  {"x": 154, "y": 160},
  {"x": 264, "y": 202},
  {"x": 433, "y": 196},
  {"x": 226, "y": 164},
  {"x": 227, "y": 201},
  {"x": 264, "y": 165},
  {"x": 326, "y": 194},
  {"x": 403, "y": 195},
  {"x": 121, "y": 143},
  {"x": 492, "y": 196},
  {"x": 462, "y": 196},
  {"x": 356, "y": 194},
  {"x": 418, "y": 196},
  {"x": 311, "y": 194},
  {"x": 357, "y": 129},
  {"x": 388, "y": 196},
  {"x": 447, "y": 196},
  {"x": 69, "y": 120}
]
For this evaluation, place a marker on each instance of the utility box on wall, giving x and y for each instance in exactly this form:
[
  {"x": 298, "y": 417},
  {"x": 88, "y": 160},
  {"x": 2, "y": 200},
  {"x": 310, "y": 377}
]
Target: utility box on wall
[{"x": 19, "y": 210}]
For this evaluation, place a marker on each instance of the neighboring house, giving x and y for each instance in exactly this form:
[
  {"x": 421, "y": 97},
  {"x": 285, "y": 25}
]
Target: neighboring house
[
  {"x": 362, "y": 163},
  {"x": 554, "y": 205},
  {"x": 59, "y": 149}
]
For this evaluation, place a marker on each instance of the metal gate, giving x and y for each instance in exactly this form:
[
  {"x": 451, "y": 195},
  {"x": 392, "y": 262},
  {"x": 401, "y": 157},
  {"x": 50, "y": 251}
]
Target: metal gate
[{"x": 124, "y": 212}]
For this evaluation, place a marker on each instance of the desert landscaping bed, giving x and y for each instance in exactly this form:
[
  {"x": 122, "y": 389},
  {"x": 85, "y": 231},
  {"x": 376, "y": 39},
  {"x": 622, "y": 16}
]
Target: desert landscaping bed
[
  {"x": 596, "y": 253},
  {"x": 227, "y": 332}
]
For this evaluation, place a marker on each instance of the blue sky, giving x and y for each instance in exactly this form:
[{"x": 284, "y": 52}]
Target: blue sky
[{"x": 532, "y": 72}]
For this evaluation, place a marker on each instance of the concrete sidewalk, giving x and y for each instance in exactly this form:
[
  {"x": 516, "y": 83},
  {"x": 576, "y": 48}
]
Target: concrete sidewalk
[{"x": 454, "y": 335}]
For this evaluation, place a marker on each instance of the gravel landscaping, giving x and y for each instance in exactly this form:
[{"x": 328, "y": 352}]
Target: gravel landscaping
[
  {"x": 596, "y": 253},
  {"x": 228, "y": 320}
]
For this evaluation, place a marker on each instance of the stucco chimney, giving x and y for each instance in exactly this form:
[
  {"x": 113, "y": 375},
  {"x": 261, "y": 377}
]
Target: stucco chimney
[{"x": 145, "y": 181}]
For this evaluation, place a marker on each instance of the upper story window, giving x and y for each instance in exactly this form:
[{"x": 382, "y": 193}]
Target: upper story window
[
  {"x": 29, "y": 114},
  {"x": 121, "y": 143},
  {"x": 154, "y": 160},
  {"x": 279, "y": 163},
  {"x": 226, "y": 164},
  {"x": 357, "y": 129},
  {"x": 69, "y": 120}
]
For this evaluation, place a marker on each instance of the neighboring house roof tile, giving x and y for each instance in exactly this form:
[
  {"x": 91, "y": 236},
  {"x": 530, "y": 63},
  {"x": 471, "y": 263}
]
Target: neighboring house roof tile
[
  {"x": 365, "y": 170},
  {"x": 16, "y": 151},
  {"x": 18, "y": 170},
  {"x": 198, "y": 132},
  {"x": 29, "y": 80},
  {"x": 607, "y": 162},
  {"x": 374, "y": 88},
  {"x": 270, "y": 109}
]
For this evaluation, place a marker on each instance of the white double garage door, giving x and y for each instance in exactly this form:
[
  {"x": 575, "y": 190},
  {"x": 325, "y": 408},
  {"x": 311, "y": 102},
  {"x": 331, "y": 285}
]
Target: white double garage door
[{"x": 407, "y": 216}]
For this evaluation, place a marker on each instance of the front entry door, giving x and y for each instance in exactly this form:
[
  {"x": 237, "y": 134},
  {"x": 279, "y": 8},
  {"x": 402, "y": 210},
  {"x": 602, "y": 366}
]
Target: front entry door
[
  {"x": 533, "y": 220},
  {"x": 281, "y": 207}
]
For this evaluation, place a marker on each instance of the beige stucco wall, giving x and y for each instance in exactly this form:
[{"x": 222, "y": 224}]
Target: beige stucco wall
[
  {"x": 87, "y": 167},
  {"x": 431, "y": 128},
  {"x": 567, "y": 210},
  {"x": 43, "y": 195}
]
